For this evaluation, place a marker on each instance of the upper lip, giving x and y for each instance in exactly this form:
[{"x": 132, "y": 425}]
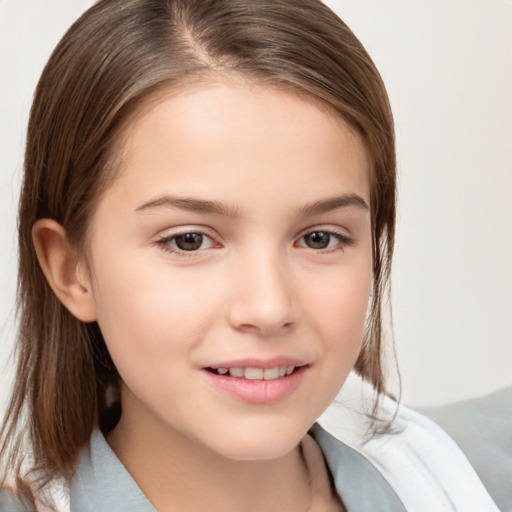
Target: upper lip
[{"x": 259, "y": 363}]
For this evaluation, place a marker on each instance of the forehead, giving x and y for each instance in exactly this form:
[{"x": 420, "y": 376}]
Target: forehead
[{"x": 233, "y": 130}]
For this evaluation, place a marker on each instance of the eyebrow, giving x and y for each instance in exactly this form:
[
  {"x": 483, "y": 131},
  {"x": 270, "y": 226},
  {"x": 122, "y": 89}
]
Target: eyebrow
[
  {"x": 190, "y": 204},
  {"x": 206, "y": 206},
  {"x": 333, "y": 203}
]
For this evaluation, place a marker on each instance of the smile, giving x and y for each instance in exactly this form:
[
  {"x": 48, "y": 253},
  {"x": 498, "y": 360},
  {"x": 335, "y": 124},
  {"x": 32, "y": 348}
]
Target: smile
[
  {"x": 255, "y": 384},
  {"x": 253, "y": 373}
]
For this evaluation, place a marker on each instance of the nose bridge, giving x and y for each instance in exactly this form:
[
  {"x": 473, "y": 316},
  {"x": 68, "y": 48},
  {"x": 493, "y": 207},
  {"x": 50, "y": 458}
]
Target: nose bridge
[{"x": 263, "y": 298}]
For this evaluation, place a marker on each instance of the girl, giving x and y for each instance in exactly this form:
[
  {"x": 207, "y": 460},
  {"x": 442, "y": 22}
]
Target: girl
[{"x": 206, "y": 230}]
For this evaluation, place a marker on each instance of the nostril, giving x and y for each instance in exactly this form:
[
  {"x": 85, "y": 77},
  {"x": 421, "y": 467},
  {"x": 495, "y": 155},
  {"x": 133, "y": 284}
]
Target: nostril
[{"x": 265, "y": 328}]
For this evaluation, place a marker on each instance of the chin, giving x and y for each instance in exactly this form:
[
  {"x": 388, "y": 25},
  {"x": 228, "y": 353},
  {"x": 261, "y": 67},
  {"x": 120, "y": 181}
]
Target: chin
[{"x": 259, "y": 444}]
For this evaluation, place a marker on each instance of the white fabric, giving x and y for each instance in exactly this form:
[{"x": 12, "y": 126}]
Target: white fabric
[{"x": 423, "y": 465}]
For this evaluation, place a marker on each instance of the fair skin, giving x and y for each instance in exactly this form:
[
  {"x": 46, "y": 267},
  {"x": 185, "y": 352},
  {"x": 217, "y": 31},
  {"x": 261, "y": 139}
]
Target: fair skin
[{"x": 273, "y": 275}]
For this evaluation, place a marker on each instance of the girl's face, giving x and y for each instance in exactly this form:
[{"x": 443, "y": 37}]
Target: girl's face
[{"x": 233, "y": 248}]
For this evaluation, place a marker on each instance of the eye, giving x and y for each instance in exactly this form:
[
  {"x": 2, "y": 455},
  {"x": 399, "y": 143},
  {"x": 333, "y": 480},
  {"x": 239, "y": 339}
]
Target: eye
[
  {"x": 321, "y": 239},
  {"x": 186, "y": 242}
]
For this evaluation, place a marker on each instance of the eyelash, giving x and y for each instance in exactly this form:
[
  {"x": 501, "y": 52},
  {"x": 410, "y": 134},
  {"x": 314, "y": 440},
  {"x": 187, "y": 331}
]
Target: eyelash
[
  {"x": 343, "y": 240},
  {"x": 165, "y": 242}
]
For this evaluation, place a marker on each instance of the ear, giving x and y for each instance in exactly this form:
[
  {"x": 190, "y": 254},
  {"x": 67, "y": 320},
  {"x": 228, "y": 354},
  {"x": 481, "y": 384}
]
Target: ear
[{"x": 68, "y": 278}]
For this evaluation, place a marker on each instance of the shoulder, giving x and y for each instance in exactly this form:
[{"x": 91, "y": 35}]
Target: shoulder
[{"x": 482, "y": 428}]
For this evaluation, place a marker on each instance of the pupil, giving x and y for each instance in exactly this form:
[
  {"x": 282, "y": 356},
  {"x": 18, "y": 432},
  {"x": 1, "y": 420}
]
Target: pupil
[
  {"x": 318, "y": 240},
  {"x": 189, "y": 241}
]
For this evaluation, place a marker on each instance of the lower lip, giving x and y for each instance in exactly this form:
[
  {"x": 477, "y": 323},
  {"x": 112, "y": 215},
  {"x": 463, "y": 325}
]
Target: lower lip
[{"x": 258, "y": 391}]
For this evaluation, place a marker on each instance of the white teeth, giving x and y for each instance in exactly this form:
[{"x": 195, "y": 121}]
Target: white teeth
[
  {"x": 236, "y": 372},
  {"x": 252, "y": 373},
  {"x": 271, "y": 373}
]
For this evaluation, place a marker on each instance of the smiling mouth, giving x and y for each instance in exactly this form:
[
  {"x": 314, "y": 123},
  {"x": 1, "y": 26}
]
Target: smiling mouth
[{"x": 252, "y": 373}]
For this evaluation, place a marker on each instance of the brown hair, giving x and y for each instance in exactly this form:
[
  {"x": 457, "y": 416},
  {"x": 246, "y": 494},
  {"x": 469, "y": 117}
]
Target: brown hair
[{"x": 117, "y": 56}]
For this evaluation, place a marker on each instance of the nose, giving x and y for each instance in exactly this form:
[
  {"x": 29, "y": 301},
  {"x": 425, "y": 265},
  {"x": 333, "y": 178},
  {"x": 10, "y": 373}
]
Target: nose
[{"x": 263, "y": 301}]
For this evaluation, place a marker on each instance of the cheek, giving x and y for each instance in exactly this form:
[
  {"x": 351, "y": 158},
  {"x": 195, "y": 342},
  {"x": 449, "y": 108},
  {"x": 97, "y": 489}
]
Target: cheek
[
  {"x": 148, "y": 312},
  {"x": 336, "y": 310},
  {"x": 339, "y": 305}
]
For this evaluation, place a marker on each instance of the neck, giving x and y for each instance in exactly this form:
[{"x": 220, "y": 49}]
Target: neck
[{"x": 177, "y": 473}]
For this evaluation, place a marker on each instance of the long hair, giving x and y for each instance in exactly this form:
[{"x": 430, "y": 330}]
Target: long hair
[{"x": 116, "y": 58}]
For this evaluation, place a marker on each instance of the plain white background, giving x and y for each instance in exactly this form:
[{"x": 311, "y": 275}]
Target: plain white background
[{"x": 448, "y": 68}]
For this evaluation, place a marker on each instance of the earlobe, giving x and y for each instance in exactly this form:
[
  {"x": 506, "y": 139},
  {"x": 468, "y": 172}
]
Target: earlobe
[{"x": 63, "y": 270}]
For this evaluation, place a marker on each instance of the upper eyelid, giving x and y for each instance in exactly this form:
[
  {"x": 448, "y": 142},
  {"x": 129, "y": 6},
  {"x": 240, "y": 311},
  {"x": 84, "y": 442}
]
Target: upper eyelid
[
  {"x": 177, "y": 231},
  {"x": 335, "y": 230}
]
